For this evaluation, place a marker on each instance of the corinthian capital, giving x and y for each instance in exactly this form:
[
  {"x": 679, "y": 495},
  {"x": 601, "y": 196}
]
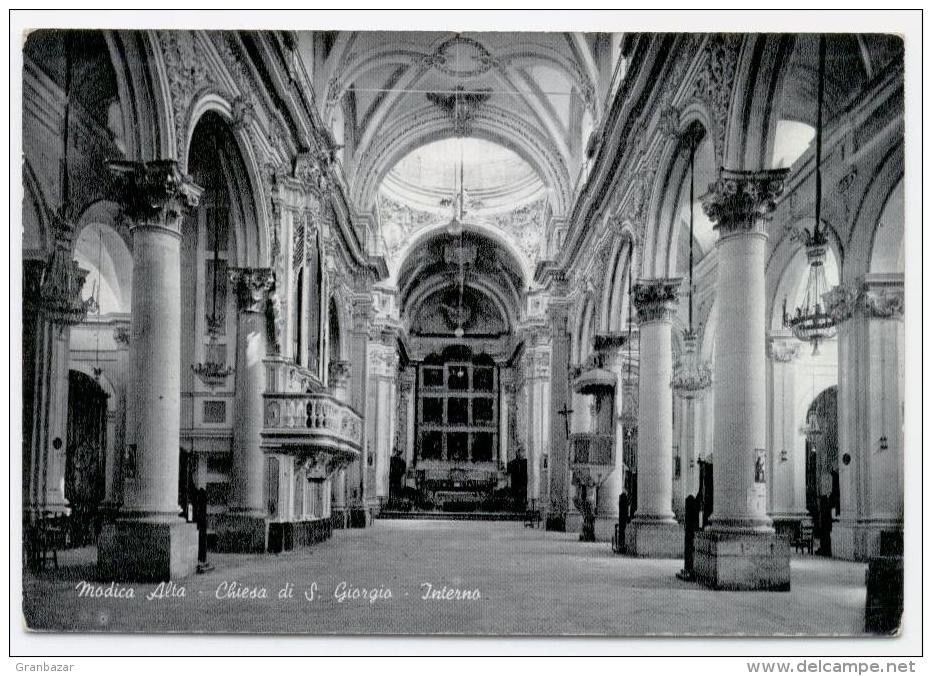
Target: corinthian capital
[
  {"x": 252, "y": 287},
  {"x": 338, "y": 373},
  {"x": 154, "y": 193},
  {"x": 655, "y": 299},
  {"x": 874, "y": 297},
  {"x": 782, "y": 349},
  {"x": 739, "y": 199}
]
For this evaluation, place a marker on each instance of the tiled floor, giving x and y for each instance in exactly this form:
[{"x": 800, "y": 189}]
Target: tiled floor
[{"x": 529, "y": 582}]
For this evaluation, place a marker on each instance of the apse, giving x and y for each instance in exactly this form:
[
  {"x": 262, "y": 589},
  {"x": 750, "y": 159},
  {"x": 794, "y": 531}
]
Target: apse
[
  {"x": 485, "y": 185},
  {"x": 463, "y": 285}
]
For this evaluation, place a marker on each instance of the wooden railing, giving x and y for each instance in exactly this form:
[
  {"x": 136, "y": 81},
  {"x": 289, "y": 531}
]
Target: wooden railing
[
  {"x": 592, "y": 457},
  {"x": 592, "y": 449}
]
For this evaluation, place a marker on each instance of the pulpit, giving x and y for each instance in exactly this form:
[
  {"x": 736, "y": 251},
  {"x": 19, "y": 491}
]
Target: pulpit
[{"x": 592, "y": 454}]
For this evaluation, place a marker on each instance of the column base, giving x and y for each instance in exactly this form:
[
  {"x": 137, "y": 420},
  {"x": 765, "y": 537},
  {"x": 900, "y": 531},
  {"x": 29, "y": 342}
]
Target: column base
[
  {"x": 339, "y": 518},
  {"x": 742, "y": 560},
  {"x": 787, "y": 524},
  {"x": 241, "y": 534},
  {"x": 146, "y": 551},
  {"x": 358, "y": 517},
  {"x": 859, "y": 540},
  {"x": 655, "y": 539},
  {"x": 556, "y": 522},
  {"x": 108, "y": 511},
  {"x": 574, "y": 521},
  {"x": 605, "y": 527}
]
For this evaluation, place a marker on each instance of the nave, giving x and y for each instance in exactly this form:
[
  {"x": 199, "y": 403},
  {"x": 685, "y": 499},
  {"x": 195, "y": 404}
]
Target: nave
[{"x": 530, "y": 582}]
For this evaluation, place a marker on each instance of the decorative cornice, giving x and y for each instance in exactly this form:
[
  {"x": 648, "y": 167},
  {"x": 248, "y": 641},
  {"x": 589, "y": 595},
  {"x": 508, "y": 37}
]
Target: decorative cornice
[
  {"x": 154, "y": 194},
  {"x": 313, "y": 171},
  {"x": 338, "y": 373},
  {"x": 406, "y": 380},
  {"x": 244, "y": 112},
  {"x": 121, "y": 335},
  {"x": 252, "y": 287},
  {"x": 873, "y": 297},
  {"x": 655, "y": 299},
  {"x": 275, "y": 322},
  {"x": 738, "y": 200},
  {"x": 460, "y": 106},
  {"x": 782, "y": 349},
  {"x": 715, "y": 82},
  {"x": 609, "y": 342},
  {"x": 62, "y": 279}
]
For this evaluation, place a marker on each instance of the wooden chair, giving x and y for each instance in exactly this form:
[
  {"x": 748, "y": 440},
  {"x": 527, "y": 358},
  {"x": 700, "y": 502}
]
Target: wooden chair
[
  {"x": 532, "y": 518},
  {"x": 51, "y": 535},
  {"x": 804, "y": 538}
]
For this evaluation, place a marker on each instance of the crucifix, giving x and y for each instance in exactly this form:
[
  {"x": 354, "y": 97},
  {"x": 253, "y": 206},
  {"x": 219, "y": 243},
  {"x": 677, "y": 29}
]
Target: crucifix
[{"x": 566, "y": 412}]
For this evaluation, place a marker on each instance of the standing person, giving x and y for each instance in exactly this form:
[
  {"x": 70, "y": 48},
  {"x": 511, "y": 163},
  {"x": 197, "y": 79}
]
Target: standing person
[{"x": 396, "y": 473}]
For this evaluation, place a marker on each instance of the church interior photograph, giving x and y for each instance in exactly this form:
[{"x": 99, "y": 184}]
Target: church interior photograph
[{"x": 486, "y": 333}]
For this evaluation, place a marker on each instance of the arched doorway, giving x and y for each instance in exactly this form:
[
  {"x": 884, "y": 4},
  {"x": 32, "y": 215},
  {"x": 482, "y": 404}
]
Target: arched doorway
[
  {"x": 823, "y": 496},
  {"x": 85, "y": 454}
]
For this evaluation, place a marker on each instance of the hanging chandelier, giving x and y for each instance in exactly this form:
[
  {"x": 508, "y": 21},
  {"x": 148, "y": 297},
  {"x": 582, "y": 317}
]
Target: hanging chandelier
[
  {"x": 213, "y": 373},
  {"x": 691, "y": 375},
  {"x": 811, "y": 322},
  {"x": 460, "y": 313},
  {"x": 811, "y": 429},
  {"x": 458, "y": 201},
  {"x": 63, "y": 279}
]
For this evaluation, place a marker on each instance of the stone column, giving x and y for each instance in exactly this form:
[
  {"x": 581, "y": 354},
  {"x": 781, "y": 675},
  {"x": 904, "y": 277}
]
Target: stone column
[
  {"x": 870, "y": 412},
  {"x": 359, "y": 379},
  {"x": 787, "y": 458},
  {"x": 32, "y": 401},
  {"x": 383, "y": 372},
  {"x": 740, "y": 550},
  {"x": 560, "y": 400},
  {"x": 52, "y": 304},
  {"x": 536, "y": 406},
  {"x": 53, "y": 373},
  {"x": 654, "y": 531},
  {"x": 409, "y": 408},
  {"x": 504, "y": 409},
  {"x": 243, "y": 527},
  {"x": 149, "y": 540},
  {"x": 113, "y": 480},
  {"x": 338, "y": 375}
]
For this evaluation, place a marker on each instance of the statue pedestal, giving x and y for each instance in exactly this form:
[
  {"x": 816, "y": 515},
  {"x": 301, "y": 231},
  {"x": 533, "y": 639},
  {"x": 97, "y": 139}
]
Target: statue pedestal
[
  {"x": 742, "y": 560},
  {"x": 146, "y": 551},
  {"x": 657, "y": 539},
  {"x": 241, "y": 534}
]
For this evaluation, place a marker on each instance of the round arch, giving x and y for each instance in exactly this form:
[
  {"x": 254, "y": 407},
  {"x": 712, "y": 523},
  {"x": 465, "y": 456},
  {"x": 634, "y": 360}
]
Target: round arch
[
  {"x": 615, "y": 302},
  {"x": 102, "y": 248},
  {"x": 493, "y": 124},
  {"x": 668, "y": 183},
  {"x": 145, "y": 99},
  {"x": 497, "y": 235},
  {"x": 887, "y": 248},
  {"x": 431, "y": 285},
  {"x": 244, "y": 169},
  {"x": 887, "y": 175},
  {"x": 338, "y": 321},
  {"x": 763, "y": 62}
]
